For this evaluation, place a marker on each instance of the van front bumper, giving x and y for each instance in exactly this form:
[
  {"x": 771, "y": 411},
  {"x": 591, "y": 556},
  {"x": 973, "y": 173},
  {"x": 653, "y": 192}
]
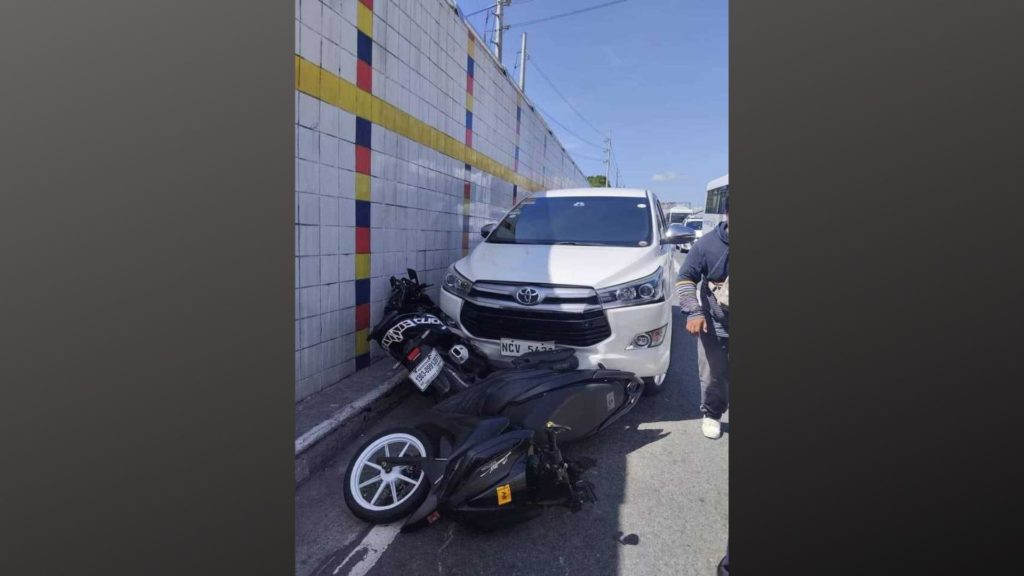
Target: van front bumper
[{"x": 612, "y": 352}]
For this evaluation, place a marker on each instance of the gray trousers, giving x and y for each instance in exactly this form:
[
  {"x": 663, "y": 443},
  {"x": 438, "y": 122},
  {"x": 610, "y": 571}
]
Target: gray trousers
[{"x": 713, "y": 363}]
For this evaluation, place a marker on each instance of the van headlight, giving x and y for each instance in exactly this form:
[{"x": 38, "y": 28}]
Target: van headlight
[
  {"x": 455, "y": 283},
  {"x": 647, "y": 290}
]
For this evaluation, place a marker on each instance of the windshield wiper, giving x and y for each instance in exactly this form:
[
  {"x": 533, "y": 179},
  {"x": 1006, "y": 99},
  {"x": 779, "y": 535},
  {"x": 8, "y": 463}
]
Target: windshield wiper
[{"x": 579, "y": 244}]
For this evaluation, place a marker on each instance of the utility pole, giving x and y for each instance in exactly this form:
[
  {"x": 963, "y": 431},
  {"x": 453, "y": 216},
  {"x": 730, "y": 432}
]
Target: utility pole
[
  {"x": 608, "y": 163},
  {"x": 522, "y": 64},
  {"x": 499, "y": 26}
]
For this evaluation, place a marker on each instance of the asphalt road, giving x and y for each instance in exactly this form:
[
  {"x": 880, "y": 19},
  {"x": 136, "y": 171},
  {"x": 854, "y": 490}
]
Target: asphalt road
[{"x": 662, "y": 509}]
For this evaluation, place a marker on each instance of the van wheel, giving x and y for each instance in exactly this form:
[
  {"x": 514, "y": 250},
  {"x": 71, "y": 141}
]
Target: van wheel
[{"x": 654, "y": 385}]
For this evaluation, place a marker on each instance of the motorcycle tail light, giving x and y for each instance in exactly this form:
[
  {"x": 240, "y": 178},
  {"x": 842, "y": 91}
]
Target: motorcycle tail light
[{"x": 413, "y": 354}]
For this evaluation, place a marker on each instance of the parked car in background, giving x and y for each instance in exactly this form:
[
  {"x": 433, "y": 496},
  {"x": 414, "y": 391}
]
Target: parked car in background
[
  {"x": 697, "y": 224},
  {"x": 589, "y": 269}
]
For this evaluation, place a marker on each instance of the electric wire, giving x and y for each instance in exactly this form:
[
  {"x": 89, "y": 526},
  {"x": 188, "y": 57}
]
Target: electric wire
[
  {"x": 567, "y": 129},
  {"x": 562, "y": 96},
  {"x": 574, "y": 12}
]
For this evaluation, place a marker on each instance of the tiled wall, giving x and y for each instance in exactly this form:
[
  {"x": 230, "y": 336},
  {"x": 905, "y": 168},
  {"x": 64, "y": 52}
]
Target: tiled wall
[{"x": 408, "y": 138}]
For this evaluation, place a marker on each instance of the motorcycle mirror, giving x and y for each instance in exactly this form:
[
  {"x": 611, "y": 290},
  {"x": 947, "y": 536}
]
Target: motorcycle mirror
[{"x": 412, "y": 274}]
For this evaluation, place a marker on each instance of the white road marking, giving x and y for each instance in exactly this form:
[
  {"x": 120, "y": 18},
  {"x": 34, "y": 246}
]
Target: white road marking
[{"x": 374, "y": 544}]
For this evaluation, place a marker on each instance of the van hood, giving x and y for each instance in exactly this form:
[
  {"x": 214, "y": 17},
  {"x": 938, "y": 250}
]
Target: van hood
[{"x": 593, "y": 266}]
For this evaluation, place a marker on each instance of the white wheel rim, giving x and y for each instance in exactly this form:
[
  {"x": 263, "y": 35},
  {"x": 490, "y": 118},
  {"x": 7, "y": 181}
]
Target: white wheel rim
[{"x": 373, "y": 488}]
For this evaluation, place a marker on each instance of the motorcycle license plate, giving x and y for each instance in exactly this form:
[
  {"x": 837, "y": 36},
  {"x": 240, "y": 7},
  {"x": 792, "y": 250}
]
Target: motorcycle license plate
[
  {"x": 425, "y": 372},
  {"x": 515, "y": 347}
]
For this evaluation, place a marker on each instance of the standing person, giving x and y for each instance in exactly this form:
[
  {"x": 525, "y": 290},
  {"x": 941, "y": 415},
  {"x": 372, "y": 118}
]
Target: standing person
[{"x": 707, "y": 264}]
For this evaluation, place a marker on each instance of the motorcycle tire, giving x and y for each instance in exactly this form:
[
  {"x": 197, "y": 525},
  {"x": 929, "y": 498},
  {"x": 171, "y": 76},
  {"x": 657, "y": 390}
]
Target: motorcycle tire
[{"x": 393, "y": 499}]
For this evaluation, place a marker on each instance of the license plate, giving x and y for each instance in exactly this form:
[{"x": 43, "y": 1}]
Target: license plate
[
  {"x": 514, "y": 347},
  {"x": 425, "y": 372}
]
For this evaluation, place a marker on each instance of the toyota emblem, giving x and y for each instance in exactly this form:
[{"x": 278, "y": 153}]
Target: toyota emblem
[{"x": 527, "y": 296}]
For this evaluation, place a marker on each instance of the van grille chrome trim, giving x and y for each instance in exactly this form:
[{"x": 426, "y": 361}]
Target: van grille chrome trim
[{"x": 575, "y": 299}]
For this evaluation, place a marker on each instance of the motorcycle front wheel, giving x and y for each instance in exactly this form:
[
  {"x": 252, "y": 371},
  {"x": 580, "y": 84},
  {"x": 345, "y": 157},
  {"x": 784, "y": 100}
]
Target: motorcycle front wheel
[{"x": 380, "y": 496}]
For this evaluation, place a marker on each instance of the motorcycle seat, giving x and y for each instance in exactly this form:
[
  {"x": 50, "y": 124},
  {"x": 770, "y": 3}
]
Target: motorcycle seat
[
  {"x": 491, "y": 392},
  {"x": 483, "y": 429},
  {"x": 516, "y": 385}
]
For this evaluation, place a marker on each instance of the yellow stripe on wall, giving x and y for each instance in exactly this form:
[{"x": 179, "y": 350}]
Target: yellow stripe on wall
[
  {"x": 362, "y": 344},
  {"x": 362, "y": 266},
  {"x": 331, "y": 88},
  {"x": 364, "y": 19},
  {"x": 362, "y": 187}
]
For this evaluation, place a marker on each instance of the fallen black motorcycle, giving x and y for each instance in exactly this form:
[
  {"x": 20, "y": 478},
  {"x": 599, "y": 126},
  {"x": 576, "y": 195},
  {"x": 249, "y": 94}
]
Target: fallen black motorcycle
[
  {"x": 489, "y": 456},
  {"x": 416, "y": 334}
]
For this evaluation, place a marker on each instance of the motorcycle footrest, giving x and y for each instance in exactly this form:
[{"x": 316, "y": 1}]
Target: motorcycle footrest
[{"x": 585, "y": 492}]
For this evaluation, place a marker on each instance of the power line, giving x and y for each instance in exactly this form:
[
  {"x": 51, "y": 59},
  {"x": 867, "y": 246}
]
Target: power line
[
  {"x": 566, "y": 128},
  {"x": 562, "y": 96},
  {"x": 580, "y": 11},
  {"x": 585, "y": 157},
  {"x": 491, "y": 7}
]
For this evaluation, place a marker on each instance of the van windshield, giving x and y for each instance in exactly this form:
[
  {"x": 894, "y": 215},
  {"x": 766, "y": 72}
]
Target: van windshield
[{"x": 579, "y": 220}]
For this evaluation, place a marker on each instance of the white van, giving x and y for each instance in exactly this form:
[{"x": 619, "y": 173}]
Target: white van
[{"x": 586, "y": 268}]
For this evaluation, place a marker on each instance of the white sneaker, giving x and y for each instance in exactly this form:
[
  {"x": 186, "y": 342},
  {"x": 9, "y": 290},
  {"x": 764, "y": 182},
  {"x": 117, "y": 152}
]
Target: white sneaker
[{"x": 712, "y": 428}]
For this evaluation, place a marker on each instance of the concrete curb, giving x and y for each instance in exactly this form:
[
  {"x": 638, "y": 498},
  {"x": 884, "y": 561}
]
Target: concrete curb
[{"x": 317, "y": 446}]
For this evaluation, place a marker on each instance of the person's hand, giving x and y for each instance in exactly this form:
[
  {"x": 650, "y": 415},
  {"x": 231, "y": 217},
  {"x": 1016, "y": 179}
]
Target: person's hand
[{"x": 695, "y": 325}]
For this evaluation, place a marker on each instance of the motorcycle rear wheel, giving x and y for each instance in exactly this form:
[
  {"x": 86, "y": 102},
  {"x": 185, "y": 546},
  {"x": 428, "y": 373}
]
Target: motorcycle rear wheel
[{"x": 382, "y": 497}]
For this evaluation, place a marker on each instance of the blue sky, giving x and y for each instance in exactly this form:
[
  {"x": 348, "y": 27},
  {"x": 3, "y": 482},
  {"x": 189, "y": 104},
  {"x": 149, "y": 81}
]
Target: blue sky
[{"x": 652, "y": 72}]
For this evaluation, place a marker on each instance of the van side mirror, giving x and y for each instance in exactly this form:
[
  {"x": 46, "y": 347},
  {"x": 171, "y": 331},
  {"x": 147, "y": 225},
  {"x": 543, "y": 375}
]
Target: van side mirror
[
  {"x": 486, "y": 229},
  {"x": 679, "y": 234}
]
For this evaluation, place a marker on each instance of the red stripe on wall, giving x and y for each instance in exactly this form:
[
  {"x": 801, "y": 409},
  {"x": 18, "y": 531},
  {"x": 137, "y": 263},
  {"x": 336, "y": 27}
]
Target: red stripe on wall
[
  {"x": 362, "y": 159},
  {"x": 364, "y": 76},
  {"x": 363, "y": 316},
  {"x": 362, "y": 240}
]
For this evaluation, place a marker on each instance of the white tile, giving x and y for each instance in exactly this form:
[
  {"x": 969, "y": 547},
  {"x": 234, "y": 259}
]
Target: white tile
[
  {"x": 329, "y": 244},
  {"x": 309, "y": 146},
  {"x": 347, "y": 155},
  {"x": 308, "y": 271},
  {"x": 311, "y": 13},
  {"x": 347, "y": 127},
  {"x": 346, "y": 267},
  {"x": 329, "y": 211},
  {"x": 330, "y": 56},
  {"x": 329, "y": 271},
  {"x": 308, "y": 208},
  {"x": 309, "y": 332},
  {"x": 307, "y": 176},
  {"x": 329, "y": 119},
  {"x": 309, "y": 110},
  {"x": 308, "y": 241},
  {"x": 309, "y": 44},
  {"x": 328, "y": 150},
  {"x": 348, "y": 64},
  {"x": 307, "y": 302},
  {"x": 348, "y": 294},
  {"x": 330, "y": 297},
  {"x": 329, "y": 181},
  {"x": 347, "y": 236}
]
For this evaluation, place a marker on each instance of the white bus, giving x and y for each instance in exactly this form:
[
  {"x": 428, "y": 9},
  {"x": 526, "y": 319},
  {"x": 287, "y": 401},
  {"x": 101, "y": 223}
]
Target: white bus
[{"x": 714, "y": 209}]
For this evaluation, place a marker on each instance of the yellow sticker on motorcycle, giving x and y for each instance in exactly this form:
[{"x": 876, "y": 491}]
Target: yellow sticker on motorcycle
[{"x": 504, "y": 494}]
